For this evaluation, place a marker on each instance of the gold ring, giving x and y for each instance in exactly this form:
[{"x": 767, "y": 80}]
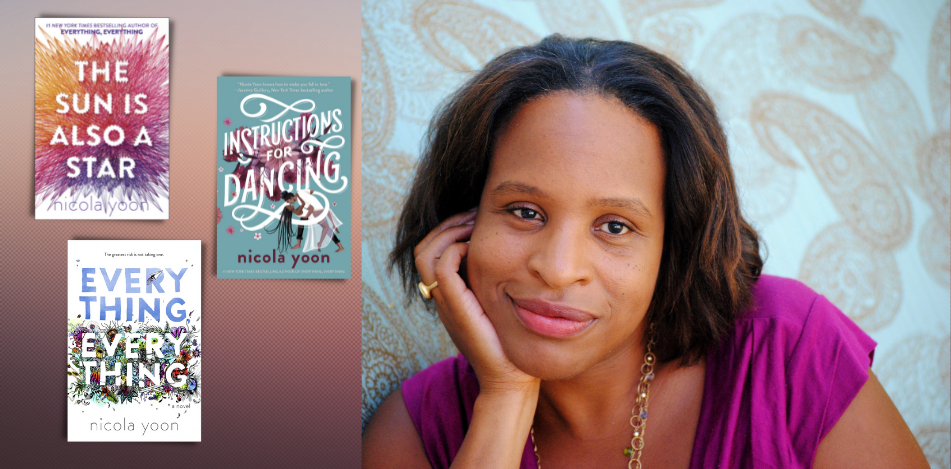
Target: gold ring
[{"x": 425, "y": 289}]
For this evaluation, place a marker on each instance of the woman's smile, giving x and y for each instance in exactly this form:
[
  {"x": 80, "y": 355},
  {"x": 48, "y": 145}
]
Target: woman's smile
[{"x": 552, "y": 320}]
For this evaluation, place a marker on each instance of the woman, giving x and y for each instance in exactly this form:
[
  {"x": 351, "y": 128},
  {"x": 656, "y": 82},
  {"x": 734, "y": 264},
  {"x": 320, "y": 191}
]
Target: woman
[
  {"x": 285, "y": 224},
  {"x": 606, "y": 279},
  {"x": 316, "y": 239}
]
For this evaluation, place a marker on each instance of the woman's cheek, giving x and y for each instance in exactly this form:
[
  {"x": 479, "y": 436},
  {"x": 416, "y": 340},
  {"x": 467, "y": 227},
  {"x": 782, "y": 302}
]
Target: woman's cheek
[
  {"x": 486, "y": 261},
  {"x": 476, "y": 261}
]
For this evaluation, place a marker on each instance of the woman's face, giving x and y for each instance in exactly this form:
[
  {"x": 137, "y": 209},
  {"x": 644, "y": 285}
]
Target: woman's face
[{"x": 567, "y": 243}]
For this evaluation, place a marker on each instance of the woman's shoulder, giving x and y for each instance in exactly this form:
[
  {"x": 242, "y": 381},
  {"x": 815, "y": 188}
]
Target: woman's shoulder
[
  {"x": 390, "y": 428},
  {"x": 791, "y": 307},
  {"x": 439, "y": 401},
  {"x": 780, "y": 298},
  {"x": 451, "y": 379},
  {"x": 425, "y": 418},
  {"x": 790, "y": 317},
  {"x": 793, "y": 364}
]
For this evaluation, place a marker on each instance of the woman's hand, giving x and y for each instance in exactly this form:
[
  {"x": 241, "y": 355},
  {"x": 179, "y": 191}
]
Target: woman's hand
[
  {"x": 438, "y": 258},
  {"x": 505, "y": 408}
]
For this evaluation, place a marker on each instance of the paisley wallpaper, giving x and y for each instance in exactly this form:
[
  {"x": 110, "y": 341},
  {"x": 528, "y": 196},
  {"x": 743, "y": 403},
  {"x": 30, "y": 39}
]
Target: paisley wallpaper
[{"x": 839, "y": 119}]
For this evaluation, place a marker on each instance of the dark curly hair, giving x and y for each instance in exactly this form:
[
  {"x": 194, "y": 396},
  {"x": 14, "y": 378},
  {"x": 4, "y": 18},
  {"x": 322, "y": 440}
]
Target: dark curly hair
[{"x": 711, "y": 254}]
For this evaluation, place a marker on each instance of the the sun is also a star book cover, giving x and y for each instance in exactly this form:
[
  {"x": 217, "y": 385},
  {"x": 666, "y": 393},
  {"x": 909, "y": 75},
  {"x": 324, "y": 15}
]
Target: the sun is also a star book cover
[
  {"x": 101, "y": 136},
  {"x": 283, "y": 168},
  {"x": 133, "y": 341}
]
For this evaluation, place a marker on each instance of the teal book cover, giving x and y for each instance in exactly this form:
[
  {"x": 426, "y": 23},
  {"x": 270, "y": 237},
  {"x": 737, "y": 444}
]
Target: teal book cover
[{"x": 283, "y": 168}]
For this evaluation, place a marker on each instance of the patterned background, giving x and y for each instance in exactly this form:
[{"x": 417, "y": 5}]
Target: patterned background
[{"x": 838, "y": 117}]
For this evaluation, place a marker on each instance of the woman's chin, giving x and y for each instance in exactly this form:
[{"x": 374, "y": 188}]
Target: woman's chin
[{"x": 547, "y": 362}]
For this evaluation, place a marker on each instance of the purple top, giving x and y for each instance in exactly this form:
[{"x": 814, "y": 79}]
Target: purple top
[{"x": 767, "y": 409}]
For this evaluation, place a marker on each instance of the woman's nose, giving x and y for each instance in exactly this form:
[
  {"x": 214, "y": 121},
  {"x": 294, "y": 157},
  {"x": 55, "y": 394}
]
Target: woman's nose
[{"x": 559, "y": 255}]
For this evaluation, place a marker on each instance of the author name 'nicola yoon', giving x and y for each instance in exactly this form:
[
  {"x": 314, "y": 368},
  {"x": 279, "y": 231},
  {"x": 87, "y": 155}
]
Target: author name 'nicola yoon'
[{"x": 274, "y": 257}]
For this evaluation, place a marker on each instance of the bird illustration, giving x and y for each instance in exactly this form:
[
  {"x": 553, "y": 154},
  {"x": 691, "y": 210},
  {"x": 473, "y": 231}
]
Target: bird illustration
[{"x": 153, "y": 277}]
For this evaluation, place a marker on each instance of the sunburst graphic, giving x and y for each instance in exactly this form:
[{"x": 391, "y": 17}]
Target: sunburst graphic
[{"x": 56, "y": 141}]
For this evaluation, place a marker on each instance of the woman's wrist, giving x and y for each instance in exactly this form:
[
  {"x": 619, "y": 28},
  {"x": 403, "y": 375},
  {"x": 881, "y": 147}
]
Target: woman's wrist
[
  {"x": 510, "y": 412},
  {"x": 501, "y": 420},
  {"x": 510, "y": 390}
]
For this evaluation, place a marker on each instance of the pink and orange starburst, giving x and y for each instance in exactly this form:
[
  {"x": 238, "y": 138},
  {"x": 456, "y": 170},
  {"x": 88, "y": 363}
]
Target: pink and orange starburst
[{"x": 57, "y": 74}]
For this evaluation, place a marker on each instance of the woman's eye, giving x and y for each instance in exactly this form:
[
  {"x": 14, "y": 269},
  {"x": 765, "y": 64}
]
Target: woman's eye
[
  {"x": 614, "y": 227},
  {"x": 526, "y": 213}
]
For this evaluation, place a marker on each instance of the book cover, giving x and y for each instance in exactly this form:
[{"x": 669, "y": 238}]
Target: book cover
[
  {"x": 283, "y": 168},
  {"x": 134, "y": 347},
  {"x": 101, "y": 134}
]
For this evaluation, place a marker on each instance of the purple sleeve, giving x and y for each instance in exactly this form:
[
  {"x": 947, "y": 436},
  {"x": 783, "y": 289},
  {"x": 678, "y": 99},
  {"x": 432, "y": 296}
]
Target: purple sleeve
[
  {"x": 827, "y": 367},
  {"x": 439, "y": 400}
]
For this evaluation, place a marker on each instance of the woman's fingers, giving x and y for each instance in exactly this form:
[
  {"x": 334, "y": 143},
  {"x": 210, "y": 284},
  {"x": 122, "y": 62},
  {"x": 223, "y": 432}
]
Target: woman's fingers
[
  {"x": 460, "y": 311},
  {"x": 455, "y": 220},
  {"x": 456, "y": 294},
  {"x": 453, "y": 229},
  {"x": 427, "y": 257}
]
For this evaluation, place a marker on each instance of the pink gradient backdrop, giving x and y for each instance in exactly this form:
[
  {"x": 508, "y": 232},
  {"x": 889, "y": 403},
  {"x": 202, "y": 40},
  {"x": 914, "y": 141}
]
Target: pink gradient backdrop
[{"x": 293, "y": 401}]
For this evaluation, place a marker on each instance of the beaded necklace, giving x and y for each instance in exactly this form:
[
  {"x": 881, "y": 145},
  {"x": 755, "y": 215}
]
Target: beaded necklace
[{"x": 638, "y": 412}]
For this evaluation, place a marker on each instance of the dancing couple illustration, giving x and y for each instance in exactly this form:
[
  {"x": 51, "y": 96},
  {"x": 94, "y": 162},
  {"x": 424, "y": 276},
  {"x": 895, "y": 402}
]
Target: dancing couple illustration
[{"x": 318, "y": 236}]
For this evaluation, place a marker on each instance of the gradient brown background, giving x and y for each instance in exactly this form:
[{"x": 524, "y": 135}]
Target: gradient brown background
[{"x": 288, "y": 399}]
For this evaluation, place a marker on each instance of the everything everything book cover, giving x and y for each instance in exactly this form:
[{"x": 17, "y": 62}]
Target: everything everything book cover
[
  {"x": 101, "y": 134},
  {"x": 133, "y": 342},
  {"x": 283, "y": 169}
]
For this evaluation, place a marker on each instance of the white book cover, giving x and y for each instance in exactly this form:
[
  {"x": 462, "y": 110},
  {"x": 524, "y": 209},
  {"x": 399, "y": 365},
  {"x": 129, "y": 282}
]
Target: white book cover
[{"x": 134, "y": 341}]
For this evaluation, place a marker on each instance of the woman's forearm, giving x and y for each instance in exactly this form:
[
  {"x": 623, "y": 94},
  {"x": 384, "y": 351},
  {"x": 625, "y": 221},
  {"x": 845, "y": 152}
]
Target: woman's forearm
[{"x": 499, "y": 429}]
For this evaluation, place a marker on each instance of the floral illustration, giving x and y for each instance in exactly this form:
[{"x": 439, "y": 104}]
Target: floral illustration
[
  {"x": 177, "y": 369},
  {"x": 219, "y": 215},
  {"x": 230, "y": 230}
]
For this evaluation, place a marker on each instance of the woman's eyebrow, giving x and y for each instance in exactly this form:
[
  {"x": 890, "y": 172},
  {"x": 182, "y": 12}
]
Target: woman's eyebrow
[
  {"x": 633, "y": 204},
  {"x": 518, "y": 188}
]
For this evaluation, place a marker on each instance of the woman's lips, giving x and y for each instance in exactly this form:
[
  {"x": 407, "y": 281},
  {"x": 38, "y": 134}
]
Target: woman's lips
[{"x": 551, "y": 320}]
